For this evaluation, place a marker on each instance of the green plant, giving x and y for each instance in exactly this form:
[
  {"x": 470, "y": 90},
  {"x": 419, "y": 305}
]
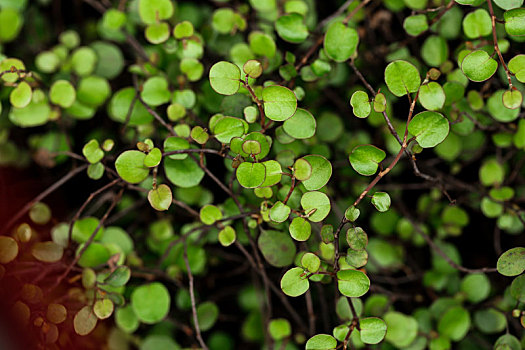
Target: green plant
[{"x": 222, "y": 143}]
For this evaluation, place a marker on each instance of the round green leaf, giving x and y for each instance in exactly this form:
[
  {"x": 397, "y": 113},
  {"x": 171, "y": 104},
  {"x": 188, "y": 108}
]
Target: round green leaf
[
  {"x": 126, "y": 319},
  {"x": 302, "y": 170},
  {"x": 223, "y": 20},
  {"x": 515, "y": 21},
  {"x": 477, "y": 24},
  {"x": 8, "y": 249},
  {"x": 227, "y": 128},
  {"x": 10, "y": 24},
  {"x": 160, "y": 198},
  {"x": 340, "y": 41},
  {"x": 415, "y": 25},
  {"x": 93, "y": 152},
  {"x": 273, "y": 173},
  {"x": 225, "y": 78},
  {"x": 311, "y": 262},
  {"x": 352, "y": 213},
  {"x": 357, "y": 238},
  {"x": 84, "y": 60},
  {"x": 381, "y": 200},
  {"x": 508, "y": 4},
  {"x": 498, "y": 110},
  {"x": 512, "y": 262},
  {"x": 318, "y": 201},
  {"x": 321, "y": 172},
  {"x": 434, "y": 51},
  {"x": 183, "y": 29},
  {"x": 262, "y": 44},
  {"x": 94, "y": 255},
  {"x": 183, "y": 173},
  {"x": 280, "y": 103},
  {"x": 151, "y": 11},
  {"x": 476, "y": 287},
  {"x": 280, "y": 212},
  {"x": 21, "y": 95},
  {"x": 47, "y": 251},
  {"x": 490, "y": 321},
  {"x": 295, "y": 282},
  {"x": 401, "y": 329},
  {"x": 455, "y": 323},
  {"x": 365, "y": 159},
  {"x": 209, "y": 214},
  {"x": 62, "y": 93},
  {"x": 155, "y": 91},
  {"x": 227, "y": 236},
  {"x": 279, "y": 328},
  {"x": 93, "y": 91},
  {"x": 251, "y": 175},
  {"x": 517, "y": 66},
  {"x": 361, "y": 104},
  {"x": 157, "y": 33},
  {"x": 300, "y": 229},
  {"x": 512, "y": 99},
  {"x": 321, "y": 342},
  {"x": 432, "y": 96},
  {"x": 207, "y": 313},
  {"x": 253, "y": 69},
  {"x": 119, "y": 277},
  {"x": 85, "y": 321},
  {"x": 151, "y": 302},
  {"x": 429, "y": 128},
  {"x": 479, "y": 66},
  {"x": 402, "y": 77},
  {"x": 130, "y": 166},
  {"x": 120, "y": 104},
  {"x": 103, "y": 308},
  {"x": 352, "y": 283},
  {"x": 291, "y": 28},
  {"x": 301, "y": 125},
  {"x": 153, "y": 158},
  {"x": 40, "y": 213},
  {"x": 277, "y": 247},
  {"x": 373, "y": 330}
]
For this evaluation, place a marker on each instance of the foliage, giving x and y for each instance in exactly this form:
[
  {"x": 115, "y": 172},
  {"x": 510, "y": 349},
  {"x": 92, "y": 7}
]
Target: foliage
[{"x": 265, "y": 163}]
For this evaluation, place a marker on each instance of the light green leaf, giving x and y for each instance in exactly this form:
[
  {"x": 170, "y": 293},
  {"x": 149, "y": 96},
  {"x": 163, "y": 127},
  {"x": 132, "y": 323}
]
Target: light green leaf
[
  {"x": 301, "y": 125},
  {"x": 21, "y": 95},
  {"x": 155, "y": 91},
  {"x": 251, "y": 175},
  {"x": 294, "y": 282},
  {"x": 302, "y": 169},
  {"x": 498, "y": 110},
  {"x": 357, "y": 238},
  {"x": 280, "y": 103},
  {"x": 85, "y": 321},
  {"x": 429, "y": 128},
  {"x": 479, "y": 66},
  {"x": 151, "y": 302},
  {"x": 47, "y": 251},
  {"x": 93, "y": 152},
  {"x": 321, "y": 342},
  {"x": 455, "y": 323},
  {"x": 361, "y": 104},
  {"x": 512, "y": 262},
  {"x": 279, "y": 212},
  {"x": 130, "y": 166},
  {"x": 477, "y": 24},
  {"x": 183, "y": 173},
  {"x": 209, "y": 214},
  {"x": 512, "y": 99},
  {"x": 321, "y": 172},
  {"x": 402, "y": 77},
  {"x": 517, "y": 66},
  {"x": 119, "y": 277},
  {"x": 291, "y": 28},
  {"x": 415, "y": 25},
  {"x": 365, "y": 159},
  {"x": 373, "y": 330},
  {"x": 277, "y": 247},
  {"x": 279, "y": 328},
  {"x": 401, "y": 329},
  {"x": 225, "y": 78},
  {"x": 300, "y": 229},
  {"x": 62, "y": 93},
  {"x": 515, "y": 21},
  {"x": 381, "y": 200},
  {"x": 340, "y": 41},
  {"x": 160, "y": 198},
  {"x": 352, "y": 283},
  {"x": 311, "y": 262},
  {"x": 207, "y": 313},
  {"x": 432, "y": 96},
  {"x": 151, "y": 11},
  {"x": 103, "y": 308},
  {"x": 157, "y": 33},
  {"x": 227, "y": 236},
  {"x": 8, "y": 249},
  {"x": 316, "y": 205}
]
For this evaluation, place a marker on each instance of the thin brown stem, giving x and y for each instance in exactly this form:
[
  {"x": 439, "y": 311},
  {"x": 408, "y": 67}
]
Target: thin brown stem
[{"x": 495, "y": 39}]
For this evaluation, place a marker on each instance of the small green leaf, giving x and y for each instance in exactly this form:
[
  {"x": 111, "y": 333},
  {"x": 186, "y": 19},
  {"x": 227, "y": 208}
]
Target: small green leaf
[
  {"x": 381, "y": 200},
  {"x": 8, "y": 249},
  {"x": 40, "y": 213},
  {"x": 380, "y": 103},
  {"x": 402, "y": 329},
  {"x": 352, "y": 283},
  {"x": 295, "y": 282},
  {"x": 402, "y": 77},
  {"x": 85, "y": 321},
  {"x": 56, "y": 313},
  {"x": 517, "y": 66},
  {"x": 207, "y": 313},
  {"x": 89, "y": 278},
  {"x": 515, "y": 21},
  {"x": 321, "y": 342},
  {"x": 21, "y": 95},
  {"x": 302, "y": 169},
  {"x": 300, "y": 229},
  {"x": 357, "y": 238},
  {"x": 321, "y": 172},
  {"x": 291, "y": 28},
  {"x": 432, "y": 96},
  {"x": 94, "y": 255},
  {"x": 273, "y": 173},
  {"x": 251, "y": 175},
  {"x": 316, "y": 205},
  {"x": 223, "y": 20},
  {"x": 199, "y": 135},
  {"x": 365, "y": 159},
  {"x": 157, "y": 33},
  {"x": 160, "y": 198},
  {"x": 227, "y": 236},
  {"x": 183, "y": 29},
  {"x": 155, "y": 91},
  {"x": 130, "y": 166},
  {"x": 301, "y": 125},
  {"x": 183, "y": 173},
  {"x": 103, "y": 308},
  {"x": 373, "y": 330},
  {"x": 151, "y": 11},
  {"x": 340, "y": 41},
  {"x": 508, "y": 4},
  {"x": 280, "y": 103},
  {"x": 415, "y": 25},
  {"x": 479, "y": 66},
  {"x": 277, "y": 247},
  {"x": 361, "y": 104},
  {"x": 119, "y": 277},
  {"x": 209, "y": 214},
  {"x": 251, "y": 147},
  {"x": 455, "y": 323},
  {"x": 47, "y": 251},
  {"x": 477, "y": 24},
  {"x": 253, "y": 68},
  {"x": 512, "y": 262},
  {"x": 498, "y": 110},
  {"x": 62, "y": 93},
  {"x": 279, "y": 328},
  {"x": 434, "y": 51},
  {"x": 126, "y": 319},
  {"x": 225, "y": 78},
  {"x": 151, "y": 302},
  {"x": 93, "y": 152},
  {"x": 311, "y": 262},
  {"x": 280, "y": 212},
  {"x": 153, "y": 158},
  {"x": 512, "y": 99},
  {"x": 429, "y": 128}
]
